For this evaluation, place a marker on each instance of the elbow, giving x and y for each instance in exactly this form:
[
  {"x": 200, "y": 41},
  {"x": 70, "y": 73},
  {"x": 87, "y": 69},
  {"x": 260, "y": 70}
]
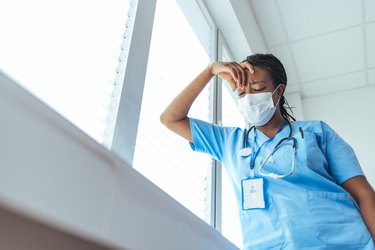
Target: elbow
[
  {"x": 164, "y": 119},
  {"x": 171, "y": 122}
]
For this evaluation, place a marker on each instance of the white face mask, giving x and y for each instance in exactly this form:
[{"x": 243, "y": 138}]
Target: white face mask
[{"x": 257, "y": 109}]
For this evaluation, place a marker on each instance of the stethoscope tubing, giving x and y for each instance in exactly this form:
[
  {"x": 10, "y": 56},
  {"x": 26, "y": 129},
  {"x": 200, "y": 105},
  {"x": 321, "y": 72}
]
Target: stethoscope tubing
[
  {"x": 273, "y": 175},
  {"x": 252, "y": 127}
]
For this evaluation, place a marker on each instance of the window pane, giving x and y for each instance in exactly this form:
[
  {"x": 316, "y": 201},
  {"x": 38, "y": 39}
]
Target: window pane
[
  {"x": 230, "y": 224},
  {"x": 176, "y": 57},
  {"x": 66, "y": 53}
]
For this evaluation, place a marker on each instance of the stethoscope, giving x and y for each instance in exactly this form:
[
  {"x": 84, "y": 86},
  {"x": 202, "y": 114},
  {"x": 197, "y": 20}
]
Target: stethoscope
[{"x": 247, "y": 151}]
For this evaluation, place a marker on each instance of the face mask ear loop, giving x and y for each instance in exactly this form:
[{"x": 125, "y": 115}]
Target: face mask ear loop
[
  {"x": 279, "y": 97},
  {"x": 276, "y": 89},
  {"x": 278, "y": 101}
]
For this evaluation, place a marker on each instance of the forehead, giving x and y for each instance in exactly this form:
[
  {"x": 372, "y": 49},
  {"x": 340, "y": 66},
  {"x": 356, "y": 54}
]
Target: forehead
[{"x": 259, "y": 75}]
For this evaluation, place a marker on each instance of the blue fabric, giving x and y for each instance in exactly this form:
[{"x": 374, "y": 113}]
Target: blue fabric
[{"x": 306, "y": 210}]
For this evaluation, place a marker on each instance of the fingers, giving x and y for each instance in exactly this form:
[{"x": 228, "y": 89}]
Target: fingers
[
  {"x": 248, "y": 66},
  {"x": 236, "y": 74},
  {"x": 233, "y": 84},
  {"x": 244, "y": 78},
  {"x": 239, "y": 74}
]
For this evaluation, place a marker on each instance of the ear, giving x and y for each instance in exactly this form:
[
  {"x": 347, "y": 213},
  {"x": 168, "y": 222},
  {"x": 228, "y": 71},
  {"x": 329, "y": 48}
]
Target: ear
[{"x": 281, "y": 90}]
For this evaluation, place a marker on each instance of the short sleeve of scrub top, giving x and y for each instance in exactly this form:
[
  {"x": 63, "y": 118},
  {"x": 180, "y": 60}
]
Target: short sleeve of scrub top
[
  {"x": 208, "y": 138},
  {"x": 342, "y": 161}
]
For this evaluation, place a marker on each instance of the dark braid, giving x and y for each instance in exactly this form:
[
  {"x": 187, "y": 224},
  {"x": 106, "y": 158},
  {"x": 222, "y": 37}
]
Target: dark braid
[{"x": 277, "y": 73}]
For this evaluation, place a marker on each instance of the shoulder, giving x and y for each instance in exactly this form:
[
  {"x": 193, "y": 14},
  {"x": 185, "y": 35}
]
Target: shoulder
[
  {"x": 313, "y": 126},
  {"x": 319, "y": 129}
]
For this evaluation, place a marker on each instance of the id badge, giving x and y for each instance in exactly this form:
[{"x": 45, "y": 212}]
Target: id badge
[{"x": 252, "y": 193}]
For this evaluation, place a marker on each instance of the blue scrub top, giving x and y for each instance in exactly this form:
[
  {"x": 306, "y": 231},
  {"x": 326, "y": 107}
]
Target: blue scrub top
[{"x": 306, "y": 210}]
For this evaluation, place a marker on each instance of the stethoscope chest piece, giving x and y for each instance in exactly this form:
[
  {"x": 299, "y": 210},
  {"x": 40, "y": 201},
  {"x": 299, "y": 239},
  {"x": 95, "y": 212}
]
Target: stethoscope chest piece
[{"x": 244, "y": 152}]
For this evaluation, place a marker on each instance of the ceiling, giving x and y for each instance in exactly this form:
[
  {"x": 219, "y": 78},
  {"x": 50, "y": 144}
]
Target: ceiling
[{"x": 326, "y": 46}]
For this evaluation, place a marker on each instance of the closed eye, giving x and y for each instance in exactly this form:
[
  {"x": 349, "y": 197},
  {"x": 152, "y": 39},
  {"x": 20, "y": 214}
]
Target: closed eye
[
  {"x": 257, "y": 85},
  {"x": 259, "y": 89}
]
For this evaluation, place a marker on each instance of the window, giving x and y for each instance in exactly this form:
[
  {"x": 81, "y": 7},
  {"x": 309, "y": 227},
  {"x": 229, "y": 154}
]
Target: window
[
  {"x": 68, "y": 53},
  {"x": 176, "y": 56},
  {"x": 230, "y": 222},
  {"x": 73, "y": 55}
]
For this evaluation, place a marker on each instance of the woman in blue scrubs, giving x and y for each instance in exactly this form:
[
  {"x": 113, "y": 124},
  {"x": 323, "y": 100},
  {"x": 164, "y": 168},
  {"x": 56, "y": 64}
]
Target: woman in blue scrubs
[{"x": 298, "y": 184}]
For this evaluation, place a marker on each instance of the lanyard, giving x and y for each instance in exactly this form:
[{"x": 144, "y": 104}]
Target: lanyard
[{"x": 255, "y": 154}]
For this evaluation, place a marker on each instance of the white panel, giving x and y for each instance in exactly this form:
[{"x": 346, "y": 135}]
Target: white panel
[
  {"x": 198, "y": 22},
  {"x": 244, "y": 14},
  {"x": 350, "y": 114},
  {"x": 370, "y": 10},
  {"x": 283, "y": 53},
  {"x": 371, "y": 76},
  {"x": 334, "y": 84},
  {"x": 330, "y": 55},
  {"x": 269, "y": 21},
  {"x": 304, "y": 18},
  {"x": 142, "y": 206},
  {"x": 370, "y": 28},
  {"x": 226, "y": 20}
]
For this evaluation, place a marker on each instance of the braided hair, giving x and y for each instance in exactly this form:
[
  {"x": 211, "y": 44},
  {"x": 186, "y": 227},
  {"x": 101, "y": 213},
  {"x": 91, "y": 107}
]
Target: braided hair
[{"x": 276, "y": 71}]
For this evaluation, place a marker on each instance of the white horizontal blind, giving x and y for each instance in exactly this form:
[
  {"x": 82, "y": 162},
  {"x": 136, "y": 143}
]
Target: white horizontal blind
[
  {"x": 176, "y": 57},
  {"x": 230, "y": 222},
  {"x": 67, "y": 54}
]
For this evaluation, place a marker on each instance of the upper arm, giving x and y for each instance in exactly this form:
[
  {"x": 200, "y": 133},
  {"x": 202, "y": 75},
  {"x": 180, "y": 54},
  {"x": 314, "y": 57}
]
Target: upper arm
[
  {"x": 203, "y": 136},
  {"x": 181, "y": 128}
]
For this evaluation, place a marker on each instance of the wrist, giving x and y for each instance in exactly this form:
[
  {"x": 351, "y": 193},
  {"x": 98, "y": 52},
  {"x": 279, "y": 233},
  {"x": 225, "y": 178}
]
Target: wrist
[{"x": 210, "y": 68}]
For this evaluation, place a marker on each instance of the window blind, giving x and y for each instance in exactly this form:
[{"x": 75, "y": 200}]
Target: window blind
[{"x": 69, "y": 54}]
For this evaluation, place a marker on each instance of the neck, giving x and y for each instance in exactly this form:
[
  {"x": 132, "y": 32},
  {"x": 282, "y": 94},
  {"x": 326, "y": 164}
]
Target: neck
[{"x": 270, "y": 128}]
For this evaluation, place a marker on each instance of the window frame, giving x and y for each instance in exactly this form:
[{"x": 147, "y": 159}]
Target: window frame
[{"x": 126, "y": 127}]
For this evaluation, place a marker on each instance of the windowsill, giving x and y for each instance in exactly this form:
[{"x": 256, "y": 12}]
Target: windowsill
[{"x": 57, "y": 175}]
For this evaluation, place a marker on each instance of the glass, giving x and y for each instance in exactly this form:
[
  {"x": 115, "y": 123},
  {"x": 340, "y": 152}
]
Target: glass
[
  {"x": 67, "y": 61},
  {"x": 176, "y": 57}
]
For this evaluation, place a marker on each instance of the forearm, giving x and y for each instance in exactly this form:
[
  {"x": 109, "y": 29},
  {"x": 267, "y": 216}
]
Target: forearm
[
  {"x": 175, "y": 117},
  {"x": 364, "y": 195},
  {"x": 178, "y": 109},
  {"x": 367, "y": 207}
]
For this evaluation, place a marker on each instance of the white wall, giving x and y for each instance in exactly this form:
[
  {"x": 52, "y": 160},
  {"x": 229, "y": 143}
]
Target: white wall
[
  {"x": 295, "y": 102},
  {"x": 54, "y": 173},
  {"x": 352, "y": 114}
]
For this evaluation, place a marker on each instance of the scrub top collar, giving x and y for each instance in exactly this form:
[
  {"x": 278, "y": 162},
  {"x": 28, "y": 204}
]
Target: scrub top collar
[{"x": 259, "y": 138}]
